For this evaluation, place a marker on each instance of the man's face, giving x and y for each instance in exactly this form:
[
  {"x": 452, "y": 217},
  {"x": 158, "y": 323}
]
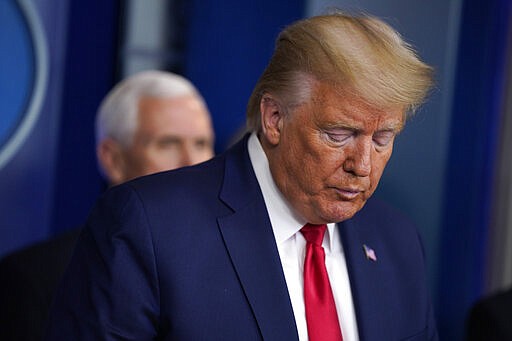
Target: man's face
[
  {"x": 171, "y": 133},
  {"x": 327, "y": 155}
]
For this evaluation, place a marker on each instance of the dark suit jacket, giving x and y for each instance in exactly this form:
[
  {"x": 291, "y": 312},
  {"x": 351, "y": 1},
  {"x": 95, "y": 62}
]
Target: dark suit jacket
[
  {"x": 190, "y": 255},
  {"x": 490, "y": 319},
  {"x": 28, "y": 279}
]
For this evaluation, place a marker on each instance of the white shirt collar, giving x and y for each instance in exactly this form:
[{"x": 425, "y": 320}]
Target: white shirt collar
[{"x": 285, "y": 222}]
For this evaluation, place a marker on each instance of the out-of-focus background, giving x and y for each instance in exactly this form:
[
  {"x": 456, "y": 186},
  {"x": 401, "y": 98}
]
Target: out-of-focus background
[{"x": 451, "y": 171}]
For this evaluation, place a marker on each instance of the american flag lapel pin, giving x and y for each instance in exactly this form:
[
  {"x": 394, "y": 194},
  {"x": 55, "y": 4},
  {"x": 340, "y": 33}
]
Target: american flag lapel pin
[{"x": 370, "y": 253}]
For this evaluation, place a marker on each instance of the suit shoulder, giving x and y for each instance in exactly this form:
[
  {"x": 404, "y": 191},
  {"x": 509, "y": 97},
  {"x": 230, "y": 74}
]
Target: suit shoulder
[{"x": 186, "y": 180}]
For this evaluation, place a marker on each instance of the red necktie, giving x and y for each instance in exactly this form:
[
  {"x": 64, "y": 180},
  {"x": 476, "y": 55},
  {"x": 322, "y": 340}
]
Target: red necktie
[{"x": 321, "y": 315}]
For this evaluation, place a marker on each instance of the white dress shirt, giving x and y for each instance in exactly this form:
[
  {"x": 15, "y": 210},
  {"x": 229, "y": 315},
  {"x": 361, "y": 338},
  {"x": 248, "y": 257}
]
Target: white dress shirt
[{"x": 291, "y": 245}]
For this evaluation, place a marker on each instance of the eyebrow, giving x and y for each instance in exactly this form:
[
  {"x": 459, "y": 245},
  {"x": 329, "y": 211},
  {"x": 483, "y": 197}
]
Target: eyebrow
[{"x": 395, "y": 126}]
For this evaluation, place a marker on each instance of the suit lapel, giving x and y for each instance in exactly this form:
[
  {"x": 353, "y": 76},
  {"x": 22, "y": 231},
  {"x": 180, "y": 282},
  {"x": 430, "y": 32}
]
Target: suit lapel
[
  {"x": 250, "y": 242},
  {"x": 371, "y": 295}
]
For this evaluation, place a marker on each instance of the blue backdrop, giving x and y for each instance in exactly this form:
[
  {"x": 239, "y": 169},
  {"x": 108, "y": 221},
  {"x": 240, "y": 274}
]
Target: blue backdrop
[
  {"x": 49, "y": 180},
  {"x": 477, "y": 108},
  {"x": 28, "y": 121}
]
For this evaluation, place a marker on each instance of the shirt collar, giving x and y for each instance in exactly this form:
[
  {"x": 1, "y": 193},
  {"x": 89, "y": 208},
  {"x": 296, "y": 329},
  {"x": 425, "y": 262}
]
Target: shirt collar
[{"x": 285, "y": 222}]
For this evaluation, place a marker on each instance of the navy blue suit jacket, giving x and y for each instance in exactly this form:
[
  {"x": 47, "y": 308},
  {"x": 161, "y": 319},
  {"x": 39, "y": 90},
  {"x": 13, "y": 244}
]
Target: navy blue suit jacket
[{"x": 190, "y": 255}]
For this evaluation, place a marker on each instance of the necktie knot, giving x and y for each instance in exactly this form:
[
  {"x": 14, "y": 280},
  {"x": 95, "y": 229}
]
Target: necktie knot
[{"x": 314, "y": 234}]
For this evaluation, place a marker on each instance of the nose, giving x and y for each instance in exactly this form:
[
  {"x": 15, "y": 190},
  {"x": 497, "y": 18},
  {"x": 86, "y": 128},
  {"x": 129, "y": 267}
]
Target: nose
[
  {"x": 187, "y": 156},
  {"x": 359, "y": 160}
]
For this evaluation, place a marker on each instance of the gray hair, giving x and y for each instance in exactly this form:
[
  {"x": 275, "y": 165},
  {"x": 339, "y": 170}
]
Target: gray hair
[{"x": 117, "y": 115}]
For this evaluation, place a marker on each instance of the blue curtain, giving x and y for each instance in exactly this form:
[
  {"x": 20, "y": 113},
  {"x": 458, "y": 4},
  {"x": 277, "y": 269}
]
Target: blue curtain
[
  {"x": 479, "y": 93},
  {"x": 227, "y": 49},
  {"x": 90, "y": 72}
]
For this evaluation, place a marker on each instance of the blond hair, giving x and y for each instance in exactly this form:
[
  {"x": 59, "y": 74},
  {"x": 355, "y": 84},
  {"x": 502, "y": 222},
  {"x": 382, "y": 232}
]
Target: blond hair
[{"x": 360, "y": 54}]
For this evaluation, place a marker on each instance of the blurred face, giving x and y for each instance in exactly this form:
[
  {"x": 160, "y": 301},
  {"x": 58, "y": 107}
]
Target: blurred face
[
  {"x": 328, "y": 154},
  {"x": 171, "y": 133}
]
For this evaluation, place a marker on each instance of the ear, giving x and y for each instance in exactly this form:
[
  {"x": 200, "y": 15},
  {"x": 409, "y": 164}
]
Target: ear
[
  {"x": 110, "y": 158},
  {"x": 271, "y": 118}
]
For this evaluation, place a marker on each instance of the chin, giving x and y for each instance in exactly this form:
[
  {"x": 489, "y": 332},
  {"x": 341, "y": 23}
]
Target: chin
[{"x": 343, "y": 212}]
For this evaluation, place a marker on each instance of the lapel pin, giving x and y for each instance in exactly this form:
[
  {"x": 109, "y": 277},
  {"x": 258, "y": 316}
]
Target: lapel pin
[{"x": 370, "y": 253}]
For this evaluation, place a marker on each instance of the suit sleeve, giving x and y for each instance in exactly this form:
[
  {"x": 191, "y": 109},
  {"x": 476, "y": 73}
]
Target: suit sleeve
[{"x": 110, "y": 289}]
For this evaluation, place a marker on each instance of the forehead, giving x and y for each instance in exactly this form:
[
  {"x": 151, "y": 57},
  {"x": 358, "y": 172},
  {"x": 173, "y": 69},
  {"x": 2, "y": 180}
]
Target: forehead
[
  {"x": 185, "y": 114},
  {"x": 334, "y": 106}
]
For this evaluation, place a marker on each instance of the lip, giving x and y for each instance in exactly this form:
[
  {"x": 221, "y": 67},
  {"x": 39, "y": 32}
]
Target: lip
[{"x": 348, "y": 193}]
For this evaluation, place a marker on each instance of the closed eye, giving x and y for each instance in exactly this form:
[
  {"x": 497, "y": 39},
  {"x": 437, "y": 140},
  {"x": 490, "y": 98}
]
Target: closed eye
[
  {"x": 340, "y": 136},
  {"x": 383, "y": 138}
]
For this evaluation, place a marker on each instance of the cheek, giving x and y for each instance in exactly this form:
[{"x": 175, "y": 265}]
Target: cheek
[
  {"x": 325, "y": 160},
  {"x": 160, "y": 160},
  {"x": 135, "y": 158},
  {"x": 293, "y": 166},
  {"x": 203, "y": 155},
  {"x": 151, "y": 160},
  {"x": 318, "y": 167}
]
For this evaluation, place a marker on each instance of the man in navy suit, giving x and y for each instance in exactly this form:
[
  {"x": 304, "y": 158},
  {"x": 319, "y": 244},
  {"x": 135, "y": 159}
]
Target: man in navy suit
[
  {"x": 219, "y": 251},
  {"x": 150, "y": 122}
]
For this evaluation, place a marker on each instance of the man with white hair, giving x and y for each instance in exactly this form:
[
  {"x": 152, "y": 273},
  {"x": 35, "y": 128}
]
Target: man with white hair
[{"x": 150, "y": 122}]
